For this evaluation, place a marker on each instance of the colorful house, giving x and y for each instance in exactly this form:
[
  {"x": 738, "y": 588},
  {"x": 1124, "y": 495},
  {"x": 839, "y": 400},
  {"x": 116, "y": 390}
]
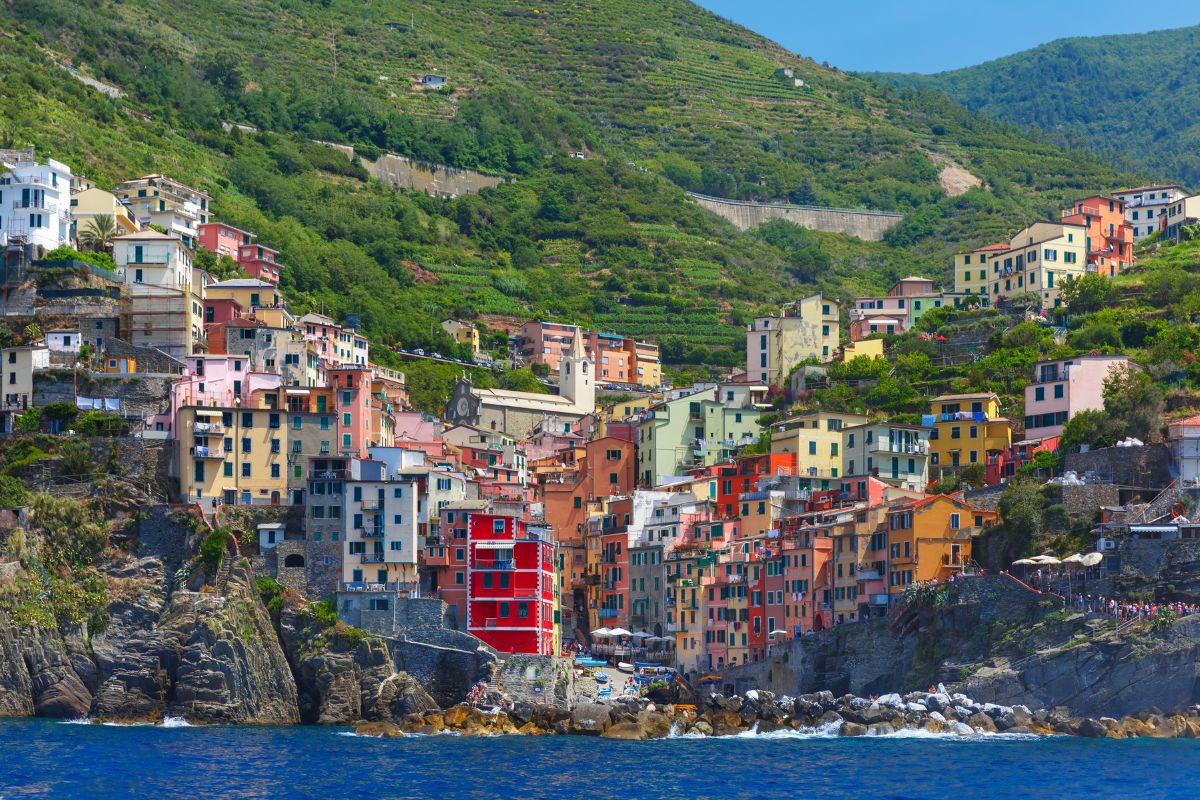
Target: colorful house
[
  {"x": 1062, "y": 388},
  {"x": 930, "y": 540},
  {"x": 806, "y": 329},
  {"x": 966, "y": 429},
  {"x": 1109, "y": 238},
  {"x": 512, "y": 597}
]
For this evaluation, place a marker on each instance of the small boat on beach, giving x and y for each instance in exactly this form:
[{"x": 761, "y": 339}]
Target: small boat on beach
[{"x": 624, "y": 666}]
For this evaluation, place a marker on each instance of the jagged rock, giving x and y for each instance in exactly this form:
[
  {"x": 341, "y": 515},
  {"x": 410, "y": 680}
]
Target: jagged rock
[
  {"x": 826, "y": 700},
  {"x": 455, "y": 717},
  {"x": 981, "y": 721},
  {"x": 382, "y": 730},
  {"x": 656, "y": 724},
  {"x": 880, "y": 729},
  {"x": 937, "y": 701},
  {"x": 590, "y": 718},
  {"x": 852, "y": 729},
  {"x": 893, "y": 700},
  {"x": 933, "y": 725},
  {"x": 701, "y": 727},
  {"x": 521, "y": 712},
  {"x": 16, "y": 691},
  {"x": 1021, "y": 716},
  {"x": 916, "y": 708},
  {"x": 963, "y": 729},
  {"x": 630, "y": 731},
  {"x": 57, "y": 690},
  {"x": 1091, "y": 728}
]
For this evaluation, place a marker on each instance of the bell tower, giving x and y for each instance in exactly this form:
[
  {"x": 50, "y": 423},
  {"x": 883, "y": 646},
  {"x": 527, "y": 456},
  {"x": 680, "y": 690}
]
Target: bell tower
[{"x": 577, "y": 376}]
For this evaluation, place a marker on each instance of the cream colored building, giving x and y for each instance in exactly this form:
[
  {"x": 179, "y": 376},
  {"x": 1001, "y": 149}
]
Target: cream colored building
[
  {"x": 92, "y": 202},
  {"x": 806, "y": 329},
  {"x": 17, "y": 365},
  {"x": 235, "y": 456},
  {"x": 1036, "y": 260},
  {"x": 817, "y": 440}
]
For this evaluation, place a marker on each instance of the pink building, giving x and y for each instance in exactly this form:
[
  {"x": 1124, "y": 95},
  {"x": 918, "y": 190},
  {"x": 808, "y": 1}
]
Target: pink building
[
  {"x": 222, "y": 310},
  {"x": 258, "y": 261},
  {"x": 351, "y": 387},
  {"x": 546, "y": 342},
  {"x": 891, "y": 313},
  {"x": 219, "y": 381},
  {"x": 1062, "y": 388},
  {"x": 323, "y": 332},
  {"x": 864, "y": 323},
  {"x": 1003, "y": 466},
  {"x": 613, "y": 361},
  {"x": 222, "y": 239}
]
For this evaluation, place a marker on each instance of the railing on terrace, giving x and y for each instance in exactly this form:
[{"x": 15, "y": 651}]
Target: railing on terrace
[
  {"x": 372, "y": 532},
  {"x": 500, "y": 564},
  {"x": 217, "y": 453},
  {"x": 328, "y": 474},
  {"x": 364, "y": 586},
  {"x": 607, "y": 613},
  {"x": 209, "y": 427}
]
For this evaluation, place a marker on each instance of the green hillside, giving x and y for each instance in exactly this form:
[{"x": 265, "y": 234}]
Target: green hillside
[
  {"x": 660, "y": 96},
  {"x": 1134, "y": 98}
]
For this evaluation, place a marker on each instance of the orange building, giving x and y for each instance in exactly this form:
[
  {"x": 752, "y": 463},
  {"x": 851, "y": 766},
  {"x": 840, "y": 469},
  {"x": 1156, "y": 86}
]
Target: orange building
[
  {"x": 1109, "y": 237},
  {"x": 930, "y": 539}
]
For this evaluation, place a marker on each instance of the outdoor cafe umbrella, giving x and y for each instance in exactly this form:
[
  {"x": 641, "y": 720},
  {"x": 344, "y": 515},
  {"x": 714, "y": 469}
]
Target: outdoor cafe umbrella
[
  {"x": 1092, "y": 559},
  {"x": 1045, "y": 561},
  {"x": 618, "y": 632},
  {"x": 602, "y": 632},
  {"x": 1074, "y": 561},
  {"x": 778, "y": 633},
  {"x": 642, "y": 635}
]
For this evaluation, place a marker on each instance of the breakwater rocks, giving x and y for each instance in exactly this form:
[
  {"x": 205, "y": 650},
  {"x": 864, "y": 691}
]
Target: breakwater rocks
[{"x": 761, "y": 712}]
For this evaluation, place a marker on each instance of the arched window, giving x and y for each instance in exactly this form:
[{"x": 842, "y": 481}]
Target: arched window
[{"x": 294, "y": 560}]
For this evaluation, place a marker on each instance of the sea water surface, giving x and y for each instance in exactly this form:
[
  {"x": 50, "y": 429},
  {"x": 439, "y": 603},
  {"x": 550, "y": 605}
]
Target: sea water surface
[{"x": 45, "y": 759}]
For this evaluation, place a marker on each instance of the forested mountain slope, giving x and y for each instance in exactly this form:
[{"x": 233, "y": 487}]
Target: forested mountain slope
[
  {"x": 660, "y": 97},
  {"x": 1134, "y": 98}
]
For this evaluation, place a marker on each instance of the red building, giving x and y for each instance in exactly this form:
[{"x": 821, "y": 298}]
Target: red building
[
  {"x": 222, "y": 239},
  {"x": 1001, "y": 467},
  {"x": 511, "y": 599},
  {"x": 1109, "y": 238},
  {"x": 740, "y": 476},
  {"x": 258, "y": 261}
]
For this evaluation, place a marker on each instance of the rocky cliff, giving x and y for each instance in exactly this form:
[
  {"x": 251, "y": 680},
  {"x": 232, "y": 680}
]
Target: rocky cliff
[
  {"x": 172, "y": 642},
  {"x": 994, "y": 640}
]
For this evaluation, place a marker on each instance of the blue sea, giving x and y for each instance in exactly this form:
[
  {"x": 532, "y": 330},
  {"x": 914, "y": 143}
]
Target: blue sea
[{"x": 64, "y": 761}]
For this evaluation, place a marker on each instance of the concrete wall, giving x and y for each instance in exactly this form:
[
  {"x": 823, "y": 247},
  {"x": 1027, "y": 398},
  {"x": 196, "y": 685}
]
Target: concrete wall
[
  {"x": 541, "y": 680},
  {"x": 869, "y": 225},
  {"x": 141, "y": 396},
  {"x": 149, "y": 359},
  {"x": 434, "y": 179},
  {"x": 1084, "y": 500}
]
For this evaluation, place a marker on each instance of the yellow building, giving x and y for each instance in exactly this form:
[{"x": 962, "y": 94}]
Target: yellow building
[
  {"x": 251, "y": 294},
  {"x": 930, "y": 539},
  {"x": 232, "y": 455},
  {"x": 816, "y": 439},
  {"x": 1037, "y": 259},
  {"x": 966, "y": 429},
  {"x": 864, "y": 348},
  {"x": 645, "y": 363},
  {"x": 806, "y": 329},
  {"x": 622, "y": 411},
  {"x": 463, "y": 333},
  {"x": 92, "y": 202}
]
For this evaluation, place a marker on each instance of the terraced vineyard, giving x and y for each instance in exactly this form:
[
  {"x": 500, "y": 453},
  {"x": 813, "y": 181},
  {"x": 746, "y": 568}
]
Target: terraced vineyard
[{"x": 659, "y": 97}]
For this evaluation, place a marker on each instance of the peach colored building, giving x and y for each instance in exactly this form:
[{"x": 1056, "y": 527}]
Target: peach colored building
[
  {"x": 1109, "y": 237},
  {"x": 1062, "y": 388}
]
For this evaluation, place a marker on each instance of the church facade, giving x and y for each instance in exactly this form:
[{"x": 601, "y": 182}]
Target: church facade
[{"x": 518, "y": 413}]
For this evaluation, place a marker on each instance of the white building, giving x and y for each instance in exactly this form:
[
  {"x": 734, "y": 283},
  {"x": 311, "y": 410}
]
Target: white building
[
  {"x": 1145, "y": 206},
  {"x": 151, "y": 258},
  {"x": 63, "y": 341},
  {"x": 35, "y": 201},
  {"x": 380, "y": 523},
  {"x": 17, "y": 365},
  {"x": 1184, "y": 438}
]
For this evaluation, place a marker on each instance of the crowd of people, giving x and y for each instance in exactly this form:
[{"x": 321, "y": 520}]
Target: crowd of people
[{"x": 1135, "y": 610}]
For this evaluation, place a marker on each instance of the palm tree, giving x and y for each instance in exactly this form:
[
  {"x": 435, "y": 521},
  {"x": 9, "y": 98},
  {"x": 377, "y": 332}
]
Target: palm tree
[{"x": 99, "y": 233}]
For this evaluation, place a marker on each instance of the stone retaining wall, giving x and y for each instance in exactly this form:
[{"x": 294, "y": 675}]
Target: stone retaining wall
[{"x": 869, "y": 225}]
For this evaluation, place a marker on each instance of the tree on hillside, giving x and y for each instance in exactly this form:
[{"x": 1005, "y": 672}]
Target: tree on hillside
[
  {"x": 1087, "y": 293},
  {"x": 99, "y": 233},
  {"x": 1134, "y": 402},
  {"x": 1092, "y": 427}
]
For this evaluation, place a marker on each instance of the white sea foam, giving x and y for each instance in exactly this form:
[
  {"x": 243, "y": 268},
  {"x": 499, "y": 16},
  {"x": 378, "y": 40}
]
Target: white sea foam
[
  {"x": 76, "y": 721},
  {"x": 175, "y": 722}
]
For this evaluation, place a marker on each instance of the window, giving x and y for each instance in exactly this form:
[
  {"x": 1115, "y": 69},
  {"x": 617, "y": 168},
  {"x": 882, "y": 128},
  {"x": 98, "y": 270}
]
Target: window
[
  {"x": 1039, "y": 393},
  {"x": 396, "y": 546},
  {"x": 504, "y": 610},
  {"x": 1058, "y": 391},
  {"x": 275, "y": 471},
  {"x": 228, "y": 471},
  {"x": 812, "y": 448},
  {"x": 245, "y": 470},
  {"x": 522, "y": 610},
  {"x": 245, "y": 444}
]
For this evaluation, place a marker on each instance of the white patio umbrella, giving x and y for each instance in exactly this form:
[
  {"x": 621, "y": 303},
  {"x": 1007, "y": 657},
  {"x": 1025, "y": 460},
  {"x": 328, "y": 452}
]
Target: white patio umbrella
[
  {"x": 1024, "y": 562},
  {"x": 1092, "y": 559},
  {"x": 618, "y": 632},
  {"x": 1045, "y": 561},
  {"x": 602, "y": 632},
  {"x": 642, "y": 635},
  {"x": 1075, "y": 559},
  {"x": 778, "y": 633}
]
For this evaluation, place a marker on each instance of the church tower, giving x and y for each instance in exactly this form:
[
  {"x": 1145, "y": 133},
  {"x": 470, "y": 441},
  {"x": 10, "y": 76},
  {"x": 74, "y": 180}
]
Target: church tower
[{"x": 577, "y": 376}]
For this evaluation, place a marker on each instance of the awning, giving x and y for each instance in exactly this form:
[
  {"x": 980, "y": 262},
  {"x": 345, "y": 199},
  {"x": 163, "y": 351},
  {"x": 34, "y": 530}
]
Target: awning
[
  {"x": 202, "y": 412},
  {"x": 295, "y": 391},
  {"x": 493, "y": 545}
]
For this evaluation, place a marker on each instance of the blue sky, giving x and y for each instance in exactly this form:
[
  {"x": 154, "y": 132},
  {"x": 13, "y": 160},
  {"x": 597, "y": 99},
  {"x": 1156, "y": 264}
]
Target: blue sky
[{"x": 935, "y": 35}]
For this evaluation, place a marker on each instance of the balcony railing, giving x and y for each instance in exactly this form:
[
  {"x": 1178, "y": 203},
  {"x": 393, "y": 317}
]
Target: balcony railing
[
  {"x": 217, "y": 453},
  {"x": 209, "y": 427},
  {"x": 328, "y": 474},
  {"x": 498, "y": 564},
  {"x": 373, "y": 504},
  {"x": 909, "y": 448},
  {"x": 868, "y": 575},
  {"x": 879, "y": 600},
  {"x": 607, "y": 613},
  {"x": 372, "y": 558},
  {"x": 373, "y": 532},
  {"x": 364, "y": 586}
]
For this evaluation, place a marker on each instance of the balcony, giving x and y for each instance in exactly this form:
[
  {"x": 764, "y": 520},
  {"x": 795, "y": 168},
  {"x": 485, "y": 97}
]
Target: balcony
[
  {"x": 215, "y": 453},
  {"x": 372, "y": 558},
  {"x": 496, "y": 565},
  {"x": 374, "y": 504},
  {"x": 868, "y": 575},
  {"x": 363, "y": 586},
  {"x": 907, "y": 448},
  {"x": 372, "y": 532},
  {"x": 328, "y": 474},
  {"x": 879, "y": 600},
  {"x": 215, "y": 428},
  {"x": 606, "y": 613},
  {"x": 676, "y": 627}
]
